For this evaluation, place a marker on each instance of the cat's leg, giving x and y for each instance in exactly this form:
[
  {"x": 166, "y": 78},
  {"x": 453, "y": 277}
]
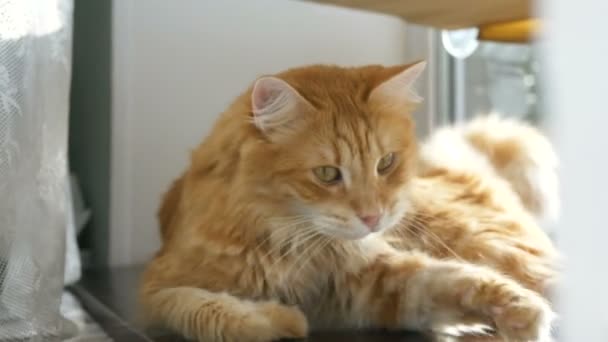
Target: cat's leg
[
  {"x": 532, "y": 262},
  {"x": 503, "y": 244},
  {"x": 218, "y": 317},
  {"x": 473, "y": 223},
  {"x": 532, "y": 267},
  {"x": 418, "y": 292}
]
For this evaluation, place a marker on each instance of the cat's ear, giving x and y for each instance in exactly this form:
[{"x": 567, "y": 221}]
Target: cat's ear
[
  {"x": 400, "y": 87},
  {"x": 275, "y": 104}
]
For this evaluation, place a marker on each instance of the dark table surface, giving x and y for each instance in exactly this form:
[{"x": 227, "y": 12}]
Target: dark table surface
[{"x": 110, "y": 296}]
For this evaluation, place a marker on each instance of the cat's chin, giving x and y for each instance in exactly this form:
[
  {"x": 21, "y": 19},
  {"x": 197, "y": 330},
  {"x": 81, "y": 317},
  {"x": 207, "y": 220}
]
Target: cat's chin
[
  {"x": 346, "y": 233},
  {"x": 356, "y": 231},
  {"x": 360, "y": 236}
]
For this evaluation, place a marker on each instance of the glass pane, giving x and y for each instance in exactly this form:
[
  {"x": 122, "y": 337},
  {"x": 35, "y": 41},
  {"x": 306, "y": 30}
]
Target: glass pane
[{"x": 501, "y": 78}]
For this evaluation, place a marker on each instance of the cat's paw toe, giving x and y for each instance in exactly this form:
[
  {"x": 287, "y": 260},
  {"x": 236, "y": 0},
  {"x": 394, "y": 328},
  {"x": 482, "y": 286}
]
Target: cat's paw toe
[
  {"x": 525, "y": 318},
  {"x": 285, "y": 321}
]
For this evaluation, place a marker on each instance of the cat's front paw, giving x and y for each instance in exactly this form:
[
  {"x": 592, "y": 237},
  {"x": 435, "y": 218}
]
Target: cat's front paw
[
  {"x": 278, "y": 321},
  {"x": 522, "y": 315}
]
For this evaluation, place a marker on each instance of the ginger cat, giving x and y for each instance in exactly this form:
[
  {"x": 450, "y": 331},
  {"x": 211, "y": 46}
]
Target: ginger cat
[{"x": 310, "y": 206}]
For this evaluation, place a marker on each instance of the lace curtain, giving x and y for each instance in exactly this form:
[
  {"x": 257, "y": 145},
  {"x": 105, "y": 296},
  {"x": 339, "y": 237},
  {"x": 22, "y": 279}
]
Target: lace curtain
[{"x": 35, "y": 62}]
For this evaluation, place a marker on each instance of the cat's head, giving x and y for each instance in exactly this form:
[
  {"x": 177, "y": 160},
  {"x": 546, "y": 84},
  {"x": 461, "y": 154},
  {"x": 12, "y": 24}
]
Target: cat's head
[{"x": 339, "y": 145}]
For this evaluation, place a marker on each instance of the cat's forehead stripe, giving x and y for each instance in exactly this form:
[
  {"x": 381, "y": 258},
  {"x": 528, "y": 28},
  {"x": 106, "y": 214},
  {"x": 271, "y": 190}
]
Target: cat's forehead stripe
[
  {"x": 342, "y": 140},
  {"x": 358, "y": 148}
]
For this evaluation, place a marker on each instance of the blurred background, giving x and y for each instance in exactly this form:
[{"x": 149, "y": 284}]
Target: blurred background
[{"x": 102, "y": 101}]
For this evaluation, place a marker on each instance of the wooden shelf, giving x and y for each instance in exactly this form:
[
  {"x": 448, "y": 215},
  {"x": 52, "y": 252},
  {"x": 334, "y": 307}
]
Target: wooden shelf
[
  {"x": 454, "y": 14},
  {"x": 511, "y": 32}
]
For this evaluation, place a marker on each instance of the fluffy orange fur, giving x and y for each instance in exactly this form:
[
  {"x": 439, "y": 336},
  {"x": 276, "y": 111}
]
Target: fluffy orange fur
[{"x": 256, "y": 247}]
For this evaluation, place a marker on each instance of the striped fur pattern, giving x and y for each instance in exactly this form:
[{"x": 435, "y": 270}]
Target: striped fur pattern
[{"x": 257, "y": 248}]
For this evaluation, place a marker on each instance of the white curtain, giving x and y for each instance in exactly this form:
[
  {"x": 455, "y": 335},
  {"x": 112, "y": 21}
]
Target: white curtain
[{"x": 35, "y": 61}]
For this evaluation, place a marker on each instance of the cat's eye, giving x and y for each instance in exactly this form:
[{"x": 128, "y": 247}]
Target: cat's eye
[
  {"x": 328, "y": 174},
  {"x": 385, "y": 163}
]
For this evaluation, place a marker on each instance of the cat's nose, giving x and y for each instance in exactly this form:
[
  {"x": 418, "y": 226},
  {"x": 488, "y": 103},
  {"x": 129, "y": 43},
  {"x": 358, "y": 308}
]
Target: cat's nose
[{"x": 371, "y": 221}]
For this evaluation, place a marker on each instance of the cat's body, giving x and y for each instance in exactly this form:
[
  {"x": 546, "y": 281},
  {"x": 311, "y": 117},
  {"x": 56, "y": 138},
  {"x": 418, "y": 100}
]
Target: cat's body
[
  {"x": 481, "y": 191},
  {"x": 264, "y": 238}
]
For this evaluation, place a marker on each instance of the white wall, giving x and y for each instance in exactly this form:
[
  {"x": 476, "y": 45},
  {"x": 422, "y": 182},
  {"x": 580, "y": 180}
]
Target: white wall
[
  {"x": 176, "y": 65},
  {"x": 576, "y": 53}
]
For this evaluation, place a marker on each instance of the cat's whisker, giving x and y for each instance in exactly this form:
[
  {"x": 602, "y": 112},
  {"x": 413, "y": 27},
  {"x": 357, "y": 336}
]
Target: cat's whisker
[
  {"x": 300, "y": 256},
  {"x": 301, "y": 238},
  {"x": 271, "y": 235},
  {"x": 282, "y": 255},
  {"x": 303, "y": 257},
  {"x": 420, "y": 220},
  {"x": 425, "y": 218},
  {"x": 283, "y": 229},
  {"x": 280, "y": 226},
  {"x": 422, "y": 229},
  {"x": 289, "y": 219},
  {"x": 422, "y": 217},
  {"x": 277, "y": 246},
  {"x": 288, "y": 239},
  {"x": 323, "y": 241},
  {"x": 305, "y": 237},
  {"x": 416, "y": 227},
  {"x": 433, "y": 244},
  {"x": 290, "y": 265}
]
